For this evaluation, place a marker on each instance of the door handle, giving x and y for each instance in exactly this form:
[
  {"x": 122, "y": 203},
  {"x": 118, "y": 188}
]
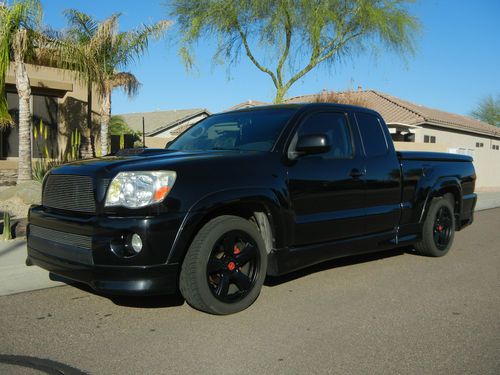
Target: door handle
[{"x": 357, "y": 173}]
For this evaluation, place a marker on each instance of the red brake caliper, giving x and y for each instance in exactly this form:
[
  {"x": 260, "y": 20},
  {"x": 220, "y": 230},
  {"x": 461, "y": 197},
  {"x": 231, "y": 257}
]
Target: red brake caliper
[{"x": 236, "y": 251}]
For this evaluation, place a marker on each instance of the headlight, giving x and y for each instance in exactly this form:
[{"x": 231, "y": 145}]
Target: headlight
[{"x": 139, "y": 189}]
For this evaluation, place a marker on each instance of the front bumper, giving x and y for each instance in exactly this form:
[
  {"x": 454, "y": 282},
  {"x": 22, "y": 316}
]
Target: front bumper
[
  {"x": 118, "y": 280},
  {"x": 78, "y": 248}
]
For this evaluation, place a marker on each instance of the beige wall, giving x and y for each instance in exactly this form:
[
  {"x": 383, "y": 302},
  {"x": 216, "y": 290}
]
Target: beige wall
[
  {"x": 71, "y": 94},
  {"x": 453, "y": 139},
  {"x": 486, "y": 161},
  {"x": 487, "y": 164},
  {"x": 411, "y": 146},
  {"x": 156, "y": 142}
]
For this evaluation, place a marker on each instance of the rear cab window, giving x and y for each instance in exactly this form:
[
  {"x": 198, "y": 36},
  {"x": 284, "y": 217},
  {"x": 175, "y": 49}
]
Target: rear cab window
[{"x": 372, "y": 134}]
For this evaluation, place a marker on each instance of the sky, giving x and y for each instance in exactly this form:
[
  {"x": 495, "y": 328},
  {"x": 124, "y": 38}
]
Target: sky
[{"x": 457, "y": 61}]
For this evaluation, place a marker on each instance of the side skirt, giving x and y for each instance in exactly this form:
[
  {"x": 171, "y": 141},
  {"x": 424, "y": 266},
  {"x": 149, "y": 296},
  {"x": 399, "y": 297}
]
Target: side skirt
[{"x": 282, "y": 261}]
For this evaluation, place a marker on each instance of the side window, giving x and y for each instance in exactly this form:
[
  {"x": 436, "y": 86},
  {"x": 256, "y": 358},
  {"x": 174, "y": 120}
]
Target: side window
[
  {"x": 372, "y": 134},
  {"x": 335, "y": 127}
]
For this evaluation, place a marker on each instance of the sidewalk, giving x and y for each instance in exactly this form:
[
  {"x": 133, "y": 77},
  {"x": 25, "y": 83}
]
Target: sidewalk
[
  {"x": 16, "y": 277},
  {"x": 487, "y": 199}
]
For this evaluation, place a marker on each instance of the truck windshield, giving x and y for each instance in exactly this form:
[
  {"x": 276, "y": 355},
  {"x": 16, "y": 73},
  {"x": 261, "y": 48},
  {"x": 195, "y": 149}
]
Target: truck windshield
[{"x": 246, "y": 130}]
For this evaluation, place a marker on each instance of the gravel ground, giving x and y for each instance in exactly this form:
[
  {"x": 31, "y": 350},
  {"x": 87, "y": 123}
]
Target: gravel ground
[
  {"x": 15, "y": 207},
  {"x": 17, "y": 199}
]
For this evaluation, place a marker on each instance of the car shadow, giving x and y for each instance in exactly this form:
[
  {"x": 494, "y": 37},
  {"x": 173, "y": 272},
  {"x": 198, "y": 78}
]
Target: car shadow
[
  {"x": 172, "y": 300},
  {"x": 335, "y": 263}
]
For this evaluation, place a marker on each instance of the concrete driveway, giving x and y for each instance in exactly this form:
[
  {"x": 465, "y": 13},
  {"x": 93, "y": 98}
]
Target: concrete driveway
[{"x": 384, "y": 314}]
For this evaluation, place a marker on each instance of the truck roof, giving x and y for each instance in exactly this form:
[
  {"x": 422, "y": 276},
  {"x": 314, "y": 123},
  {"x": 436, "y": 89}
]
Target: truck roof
[{"x": 304, "y": 106}]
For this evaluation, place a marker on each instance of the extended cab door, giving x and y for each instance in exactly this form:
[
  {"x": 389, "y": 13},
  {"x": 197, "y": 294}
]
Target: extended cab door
[
  {"x": 382, "y": 174},
  {"x": 327, "y": 190}
]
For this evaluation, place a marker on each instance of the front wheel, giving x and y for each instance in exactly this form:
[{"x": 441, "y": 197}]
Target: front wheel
[
  {"x": 438, "y": 229},
  {"x": 225, "y": 266}
]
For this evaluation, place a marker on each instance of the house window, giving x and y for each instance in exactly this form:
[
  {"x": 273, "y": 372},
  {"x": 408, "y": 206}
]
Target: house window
[
  {"x": 479, "y": 144},
  {"x": 429, "y": 139},
  {"x": 495, "y": 147},
  {"x": 45, "y": 111}
]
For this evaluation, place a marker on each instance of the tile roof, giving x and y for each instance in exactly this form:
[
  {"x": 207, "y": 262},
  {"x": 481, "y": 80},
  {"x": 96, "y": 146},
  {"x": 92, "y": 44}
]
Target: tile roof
[
  {"x": 395, "y": 110},
  {"x": 157, "y": 121},
  {"x": 247, "y": 104}
]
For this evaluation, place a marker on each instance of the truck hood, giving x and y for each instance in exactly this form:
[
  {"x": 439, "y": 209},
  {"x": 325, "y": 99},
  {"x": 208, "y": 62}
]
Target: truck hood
[{"x": 144, "y": 159}]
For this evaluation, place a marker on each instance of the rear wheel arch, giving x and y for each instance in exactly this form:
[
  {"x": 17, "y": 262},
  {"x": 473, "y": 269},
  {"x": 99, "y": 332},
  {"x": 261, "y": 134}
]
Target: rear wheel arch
[{"x": 449, "y": 189}]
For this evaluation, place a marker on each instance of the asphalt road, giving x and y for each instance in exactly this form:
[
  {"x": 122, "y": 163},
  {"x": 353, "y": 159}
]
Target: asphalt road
[{"x": 393, "y": 313}]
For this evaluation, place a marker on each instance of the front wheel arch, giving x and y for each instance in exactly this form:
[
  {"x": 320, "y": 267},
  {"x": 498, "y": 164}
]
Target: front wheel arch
[{"x": 263, "y": 211}]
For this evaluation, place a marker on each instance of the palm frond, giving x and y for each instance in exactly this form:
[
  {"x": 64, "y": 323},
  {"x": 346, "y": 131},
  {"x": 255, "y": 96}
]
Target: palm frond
[
  {"x": 125, "y": 81},
  {"x": 133, "y": 44},
  {"x": 81, "y": 24}
]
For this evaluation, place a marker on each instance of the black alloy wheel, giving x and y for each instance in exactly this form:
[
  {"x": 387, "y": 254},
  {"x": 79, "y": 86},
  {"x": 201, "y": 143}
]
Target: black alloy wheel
[
  {"x": 443, "y": 228},
  {"x": 233, "y": 266},
  {"x": 225, "y": 266},
  {"x": 438, "y": 228}
]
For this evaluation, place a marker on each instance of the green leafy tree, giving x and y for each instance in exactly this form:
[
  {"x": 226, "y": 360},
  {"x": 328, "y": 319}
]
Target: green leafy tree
[
  {"x": 19, "y": 38},
  {"x": 118, "y": 126},
  {"x": 99, "y": 52},
  {"x": 488, "y": 110},
  {"x": 295, "y": 35}
]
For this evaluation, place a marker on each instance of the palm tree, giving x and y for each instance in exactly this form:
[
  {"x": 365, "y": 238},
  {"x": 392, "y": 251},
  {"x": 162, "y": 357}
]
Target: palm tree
[
  {"x": 98, "y": 51},
  {"x": 18, "y": 39}
]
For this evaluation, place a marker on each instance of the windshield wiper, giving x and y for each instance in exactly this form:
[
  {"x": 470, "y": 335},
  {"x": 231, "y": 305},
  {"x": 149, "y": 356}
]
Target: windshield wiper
[{"x": 224, "y": 149}]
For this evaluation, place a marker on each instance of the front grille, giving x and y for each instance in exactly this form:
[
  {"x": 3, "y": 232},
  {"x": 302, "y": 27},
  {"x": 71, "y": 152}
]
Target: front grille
[
  {"x": 70, "y": 193},
  {"x": 69, "y": 239},
  {"x": 62, "y": 245}
]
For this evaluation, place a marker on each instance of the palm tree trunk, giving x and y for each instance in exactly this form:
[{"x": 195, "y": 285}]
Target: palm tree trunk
[
  {"x": 24, "y": 91},
  {"x": 86, "y": 146},
  {"x": 105, "y": 116}
]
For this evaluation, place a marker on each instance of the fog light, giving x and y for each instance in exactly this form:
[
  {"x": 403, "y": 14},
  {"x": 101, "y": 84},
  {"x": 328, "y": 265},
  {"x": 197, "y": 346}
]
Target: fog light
[{"x": 136, "y": 243}]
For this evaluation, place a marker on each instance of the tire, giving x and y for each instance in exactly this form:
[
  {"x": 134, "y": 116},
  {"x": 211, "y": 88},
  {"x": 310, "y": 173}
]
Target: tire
[
  {"x": 224, "y": 267},
  {"x": 438, "y": 229}
]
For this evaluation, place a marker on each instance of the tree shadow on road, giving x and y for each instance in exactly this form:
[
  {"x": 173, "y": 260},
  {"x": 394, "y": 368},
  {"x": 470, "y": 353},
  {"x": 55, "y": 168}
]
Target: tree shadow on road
[{"x": 335, "y": 263}]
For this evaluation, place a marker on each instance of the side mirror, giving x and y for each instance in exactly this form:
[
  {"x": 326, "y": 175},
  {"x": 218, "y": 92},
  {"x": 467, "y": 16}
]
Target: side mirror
[{"x": 312, "y": 144}]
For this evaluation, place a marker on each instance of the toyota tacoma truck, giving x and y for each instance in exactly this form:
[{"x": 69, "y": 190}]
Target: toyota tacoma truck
[{"x": 245, "y": 194}]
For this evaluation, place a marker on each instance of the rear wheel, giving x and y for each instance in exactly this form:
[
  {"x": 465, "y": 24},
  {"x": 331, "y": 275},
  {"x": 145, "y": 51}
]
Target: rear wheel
[
  {"x": 225, "y": 266},
  {"x": 438, "y": 229}
]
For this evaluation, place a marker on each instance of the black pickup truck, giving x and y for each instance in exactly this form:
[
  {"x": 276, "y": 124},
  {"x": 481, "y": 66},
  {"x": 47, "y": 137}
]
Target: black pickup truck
[{"x": 242, "y": 195}]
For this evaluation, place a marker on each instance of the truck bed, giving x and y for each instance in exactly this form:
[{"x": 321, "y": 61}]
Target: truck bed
[{"x": 432, "y": 156}]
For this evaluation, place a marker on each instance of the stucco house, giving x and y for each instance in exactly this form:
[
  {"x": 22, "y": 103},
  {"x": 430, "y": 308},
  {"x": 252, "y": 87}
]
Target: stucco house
[
  {"x": 58, "y": 99},
  {"x": 163, "y": 126}
]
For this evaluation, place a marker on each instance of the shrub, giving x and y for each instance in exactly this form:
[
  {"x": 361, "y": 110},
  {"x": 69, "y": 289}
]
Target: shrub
[
  {"x": 7, "y": 233},
  {"x": 42, "y": 166},
  {"x": 347, "y": 97}
]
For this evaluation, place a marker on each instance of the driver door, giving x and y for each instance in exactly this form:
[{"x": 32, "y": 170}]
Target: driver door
[{"x": 327, "y": 190}]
